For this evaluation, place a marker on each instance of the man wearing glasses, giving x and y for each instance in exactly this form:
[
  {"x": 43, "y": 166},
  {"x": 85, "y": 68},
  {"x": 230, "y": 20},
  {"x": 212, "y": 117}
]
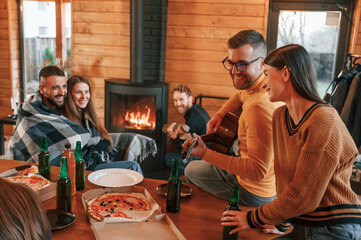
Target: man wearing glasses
[{"x": 253, "y": 169}]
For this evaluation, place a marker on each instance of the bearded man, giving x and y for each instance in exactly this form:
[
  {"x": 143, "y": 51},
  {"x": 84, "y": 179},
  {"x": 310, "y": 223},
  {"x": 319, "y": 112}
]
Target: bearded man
[
  {"x": 253, "y": 170},
  {"x": 53, "y": 87},
  {"x": 196, "y": 119}
]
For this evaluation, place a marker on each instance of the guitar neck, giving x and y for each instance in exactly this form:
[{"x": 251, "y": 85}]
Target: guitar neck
[{"x": 208, "y": 137}]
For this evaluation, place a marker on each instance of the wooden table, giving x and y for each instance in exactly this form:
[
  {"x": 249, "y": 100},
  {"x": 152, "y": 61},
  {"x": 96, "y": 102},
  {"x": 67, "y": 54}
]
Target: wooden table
[{"x": 198, "y": 218}]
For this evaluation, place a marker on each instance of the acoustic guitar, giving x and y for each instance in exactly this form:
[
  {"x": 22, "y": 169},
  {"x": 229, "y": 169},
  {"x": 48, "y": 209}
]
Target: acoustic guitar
[
  {"x": 183, "y": 130},
  {"x": 220, "y": 141}
]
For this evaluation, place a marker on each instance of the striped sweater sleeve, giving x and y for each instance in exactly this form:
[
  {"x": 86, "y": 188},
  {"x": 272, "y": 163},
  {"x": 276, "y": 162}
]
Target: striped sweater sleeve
[{"x": 282, "y": 227}]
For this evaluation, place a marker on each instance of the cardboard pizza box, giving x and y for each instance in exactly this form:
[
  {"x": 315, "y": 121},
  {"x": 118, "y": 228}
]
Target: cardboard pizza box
[
  {"x": 157, "y": 226},
  {"x": 42, "y": 194},
  {"x": 46, "y": 192}
]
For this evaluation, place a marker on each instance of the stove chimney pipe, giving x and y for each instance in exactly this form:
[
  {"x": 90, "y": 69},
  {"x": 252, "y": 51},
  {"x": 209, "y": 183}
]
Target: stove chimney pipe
[{"x": 136, "y": 41}]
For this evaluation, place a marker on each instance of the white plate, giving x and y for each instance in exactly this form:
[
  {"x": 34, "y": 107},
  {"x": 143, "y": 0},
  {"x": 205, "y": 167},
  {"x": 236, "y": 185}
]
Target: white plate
[{"x": 115, "y": 177}]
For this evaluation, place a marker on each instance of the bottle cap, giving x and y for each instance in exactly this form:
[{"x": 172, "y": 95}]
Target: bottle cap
[{"x": 67, "y": 145}]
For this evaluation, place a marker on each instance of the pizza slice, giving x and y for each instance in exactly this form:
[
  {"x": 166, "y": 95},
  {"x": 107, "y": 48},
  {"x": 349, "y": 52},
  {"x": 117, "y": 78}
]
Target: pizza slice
[{"x": 35, "y": 182}]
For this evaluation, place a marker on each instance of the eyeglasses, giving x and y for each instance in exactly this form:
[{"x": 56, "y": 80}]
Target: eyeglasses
[{"x": 241, "y": 66}]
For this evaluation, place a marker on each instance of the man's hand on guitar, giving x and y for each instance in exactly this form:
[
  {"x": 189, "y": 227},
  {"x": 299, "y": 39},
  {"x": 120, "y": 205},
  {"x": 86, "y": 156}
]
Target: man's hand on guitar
[
  {"x": 171, "y": 132},
  {"x": 214, "y": 123},
  {"x": 199, "y": 149}
]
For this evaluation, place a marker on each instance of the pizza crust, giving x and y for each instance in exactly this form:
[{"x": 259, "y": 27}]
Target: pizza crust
[{"x": 33, "y": 169}]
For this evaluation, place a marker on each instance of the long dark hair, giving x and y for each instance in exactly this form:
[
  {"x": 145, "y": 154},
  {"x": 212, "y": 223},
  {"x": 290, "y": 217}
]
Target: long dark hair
[
  {"x": 78, "y": 115},
  {"x": 21, "y": 214},
  {"x": 300, "y": 66}
]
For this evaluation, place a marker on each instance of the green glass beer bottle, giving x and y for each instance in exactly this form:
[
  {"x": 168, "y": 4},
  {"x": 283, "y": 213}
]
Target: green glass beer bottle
[
  {"x": 44, "y": 159},
  {"x": 80, "y": 168},
  {"x": 174, "y": 186},
  {"x": 233, "y": 205},
  {"x": 63, "y": 188}
]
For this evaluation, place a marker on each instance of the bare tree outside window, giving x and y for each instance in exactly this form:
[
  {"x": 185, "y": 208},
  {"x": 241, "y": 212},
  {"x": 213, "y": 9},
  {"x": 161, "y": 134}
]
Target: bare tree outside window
[
  {"x": 40, "y": 39},
  {"x": 318, "y": 33}
]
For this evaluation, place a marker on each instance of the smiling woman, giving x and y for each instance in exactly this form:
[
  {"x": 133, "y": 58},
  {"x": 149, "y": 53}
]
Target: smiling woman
[
  {"x": 81, "y": 94},
  {"x": 98, "y": 153},
  {"x": 79, "y": 104}
]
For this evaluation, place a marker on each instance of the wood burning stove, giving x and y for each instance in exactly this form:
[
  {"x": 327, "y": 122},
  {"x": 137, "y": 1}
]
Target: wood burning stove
[
  {"x": 139, "y": 108},
  {"x": 135, "y": 105}
]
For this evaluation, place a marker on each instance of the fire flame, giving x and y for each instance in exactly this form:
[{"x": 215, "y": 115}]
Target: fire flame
[{"x": 140, "y": 121}]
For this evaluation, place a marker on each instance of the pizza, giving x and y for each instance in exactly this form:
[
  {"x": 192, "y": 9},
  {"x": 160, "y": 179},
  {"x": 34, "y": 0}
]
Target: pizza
[
  {"x": 35, "y": 182},
  {"x": 113, "y": 205},
  {"x": 33, "y": 169}
]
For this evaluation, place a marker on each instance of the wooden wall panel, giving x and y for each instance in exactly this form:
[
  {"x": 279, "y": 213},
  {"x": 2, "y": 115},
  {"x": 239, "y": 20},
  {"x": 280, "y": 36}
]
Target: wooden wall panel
[
  {"x": 202, "y": 32},
  {"x": 355, "y": 44},
  {"x": 9, "y": 66},
  {"x": 101, "y": 17},
  {"x": 105, "y": 6},
  {"x": 99, "y": 39},
  {"x": 14, "y": 58},
  {"x": 102, "y": 28},
  {"x": 5, "y": 61},
  {"x": 101, "y": 43},
  {"x": 221, "y": 21},
  {"x": 102, "y": 50},
  {"x": 219, "y": 9},
  {"x": 104, "y": 72}
]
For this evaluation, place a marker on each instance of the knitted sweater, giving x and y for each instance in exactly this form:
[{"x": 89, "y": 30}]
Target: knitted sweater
[
  {"x": 313, "y": 163},
  {"x": 254, "y": 169}
]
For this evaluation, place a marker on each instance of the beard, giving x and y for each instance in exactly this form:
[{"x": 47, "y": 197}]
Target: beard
[
  {"x": 53, "y": 102},
  {"x": 183, "y": 109},
  {"x": 244, "y": 84}
]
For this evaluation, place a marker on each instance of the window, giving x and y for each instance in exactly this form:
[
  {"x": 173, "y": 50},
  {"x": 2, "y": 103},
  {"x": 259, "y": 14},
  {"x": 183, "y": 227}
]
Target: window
[
  {"x": 42, "y": 6},
  {"x": 40, "y": 46},
  {"x": 322, "y": 27},
  {"x": 43, "y": 30}
]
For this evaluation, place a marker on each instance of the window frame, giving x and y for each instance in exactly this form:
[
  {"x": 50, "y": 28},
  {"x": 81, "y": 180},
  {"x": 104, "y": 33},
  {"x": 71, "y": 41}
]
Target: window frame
[
  {"x": 275, "y": 6},
  {"x": 60, "y": 37}
]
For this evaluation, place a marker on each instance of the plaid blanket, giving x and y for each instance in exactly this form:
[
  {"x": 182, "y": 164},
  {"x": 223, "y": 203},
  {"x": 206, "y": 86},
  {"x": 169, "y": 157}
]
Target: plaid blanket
[
  {"x": 133, "y": 147},
  {"x": 36, "y": 119}
]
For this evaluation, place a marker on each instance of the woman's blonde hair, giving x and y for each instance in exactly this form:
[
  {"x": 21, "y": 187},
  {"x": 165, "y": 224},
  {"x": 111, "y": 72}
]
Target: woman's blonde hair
[
  {"x": 78, "y": 115},
  {"x": 21, "y": 215}
]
